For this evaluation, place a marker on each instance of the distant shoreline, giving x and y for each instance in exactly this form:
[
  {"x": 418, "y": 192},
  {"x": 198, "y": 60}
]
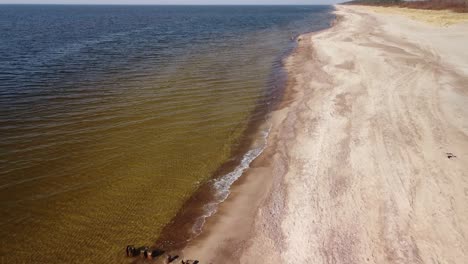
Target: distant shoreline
[{"x": 139, "y": 5}]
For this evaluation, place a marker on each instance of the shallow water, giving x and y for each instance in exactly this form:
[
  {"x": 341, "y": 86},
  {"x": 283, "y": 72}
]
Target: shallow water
[{"x": 112, "y": 116}]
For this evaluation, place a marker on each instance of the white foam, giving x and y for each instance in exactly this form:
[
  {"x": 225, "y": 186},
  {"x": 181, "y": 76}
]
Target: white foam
[{"x": 223, "y": 184}]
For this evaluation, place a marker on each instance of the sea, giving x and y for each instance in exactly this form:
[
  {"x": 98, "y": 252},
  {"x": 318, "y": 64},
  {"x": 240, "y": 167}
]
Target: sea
[{"x": 113, "y": 117}]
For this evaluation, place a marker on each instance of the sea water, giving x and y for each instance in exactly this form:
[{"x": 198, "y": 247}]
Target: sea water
[{"x": 111, "y": 117}]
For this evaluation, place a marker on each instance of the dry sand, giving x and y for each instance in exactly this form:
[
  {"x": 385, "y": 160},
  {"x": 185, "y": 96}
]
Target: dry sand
[{"x": 356, "y": 169}]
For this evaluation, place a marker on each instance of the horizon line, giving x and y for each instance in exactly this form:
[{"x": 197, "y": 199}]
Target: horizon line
[{"x": 136, "y": 4}]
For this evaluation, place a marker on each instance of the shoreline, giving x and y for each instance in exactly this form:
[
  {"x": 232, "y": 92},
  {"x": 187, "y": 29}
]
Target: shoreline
[
  {"x": 355, "y": 169},
  {"x": 182, "y": 227},
  {"x": 237, "y": 214}
]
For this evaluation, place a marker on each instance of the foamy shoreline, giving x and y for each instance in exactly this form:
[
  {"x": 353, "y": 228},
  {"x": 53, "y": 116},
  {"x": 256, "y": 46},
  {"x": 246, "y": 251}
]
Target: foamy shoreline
[{"x": 356, "y": 167}]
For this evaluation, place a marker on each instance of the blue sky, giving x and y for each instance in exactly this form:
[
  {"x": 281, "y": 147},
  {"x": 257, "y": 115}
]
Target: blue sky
[{"x": 174, "y": 2}]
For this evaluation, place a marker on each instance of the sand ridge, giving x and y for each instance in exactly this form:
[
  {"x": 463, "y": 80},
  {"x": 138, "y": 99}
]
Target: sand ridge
[{"x": 357, "y": 170}]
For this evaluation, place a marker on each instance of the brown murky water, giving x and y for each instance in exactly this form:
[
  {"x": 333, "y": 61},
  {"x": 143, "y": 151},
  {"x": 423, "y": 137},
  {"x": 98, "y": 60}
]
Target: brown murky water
[{"x": 103, "y": 138}]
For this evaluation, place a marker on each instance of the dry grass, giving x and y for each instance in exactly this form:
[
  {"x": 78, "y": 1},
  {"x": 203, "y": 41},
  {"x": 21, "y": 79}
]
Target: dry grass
[
  {"x": 436, "y": 17},
  {"x": 459, "y": 6}
]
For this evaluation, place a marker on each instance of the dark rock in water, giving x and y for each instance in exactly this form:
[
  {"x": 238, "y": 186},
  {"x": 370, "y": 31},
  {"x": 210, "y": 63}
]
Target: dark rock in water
[
  {"x": 147, "y": 253},
  {"x": 131, "y": 251},
  {"x": 156, "y": 253},
  {"x": 143, "y": 250}
]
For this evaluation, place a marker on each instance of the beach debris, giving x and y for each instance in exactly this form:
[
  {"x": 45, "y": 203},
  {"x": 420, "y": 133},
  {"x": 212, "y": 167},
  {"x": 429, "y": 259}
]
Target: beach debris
[
  {"x": 189, "y": 261},
  {"x": 170, "y": 258},
  {"x": 450, "y": 155}
]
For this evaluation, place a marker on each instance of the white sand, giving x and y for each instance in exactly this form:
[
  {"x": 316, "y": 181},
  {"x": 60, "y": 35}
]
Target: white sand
[{"x": 357, "y": 171}]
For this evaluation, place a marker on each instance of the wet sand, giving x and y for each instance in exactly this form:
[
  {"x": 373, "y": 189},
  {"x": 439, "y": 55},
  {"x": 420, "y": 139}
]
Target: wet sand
[{"x": 356, "y": 167}]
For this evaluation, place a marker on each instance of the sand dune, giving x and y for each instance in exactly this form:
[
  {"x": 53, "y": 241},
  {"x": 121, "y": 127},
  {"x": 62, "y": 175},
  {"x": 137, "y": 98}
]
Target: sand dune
[{"x": 356, "y": 170}]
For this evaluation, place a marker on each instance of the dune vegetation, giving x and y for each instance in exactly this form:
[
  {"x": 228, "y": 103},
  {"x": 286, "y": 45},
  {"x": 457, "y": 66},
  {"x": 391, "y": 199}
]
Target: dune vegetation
[{"x": 460, "y": 6}]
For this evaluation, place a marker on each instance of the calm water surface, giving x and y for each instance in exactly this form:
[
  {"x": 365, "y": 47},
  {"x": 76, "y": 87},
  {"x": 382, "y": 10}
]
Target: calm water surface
[{"x": 112, "y": 116}]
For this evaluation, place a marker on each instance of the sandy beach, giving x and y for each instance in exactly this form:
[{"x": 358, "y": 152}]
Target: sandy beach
[{"x": 357, "y": 168}]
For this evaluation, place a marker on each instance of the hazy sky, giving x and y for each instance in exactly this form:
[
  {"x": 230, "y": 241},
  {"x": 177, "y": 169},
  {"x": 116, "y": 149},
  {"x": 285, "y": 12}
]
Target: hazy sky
[{"x": 174, "y": 2}]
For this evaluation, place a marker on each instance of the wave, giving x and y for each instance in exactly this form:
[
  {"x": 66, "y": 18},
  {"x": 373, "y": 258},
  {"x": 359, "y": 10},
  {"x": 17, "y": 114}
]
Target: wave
[{"x": 222, "y": 185}]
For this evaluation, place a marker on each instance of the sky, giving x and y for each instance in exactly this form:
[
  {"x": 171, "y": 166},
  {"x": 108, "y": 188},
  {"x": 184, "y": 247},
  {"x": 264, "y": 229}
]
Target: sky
[{"x": 175, "y": 2}]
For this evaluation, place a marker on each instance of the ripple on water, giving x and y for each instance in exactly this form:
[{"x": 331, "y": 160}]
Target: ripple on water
[{"x": 112, "y": 117}]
